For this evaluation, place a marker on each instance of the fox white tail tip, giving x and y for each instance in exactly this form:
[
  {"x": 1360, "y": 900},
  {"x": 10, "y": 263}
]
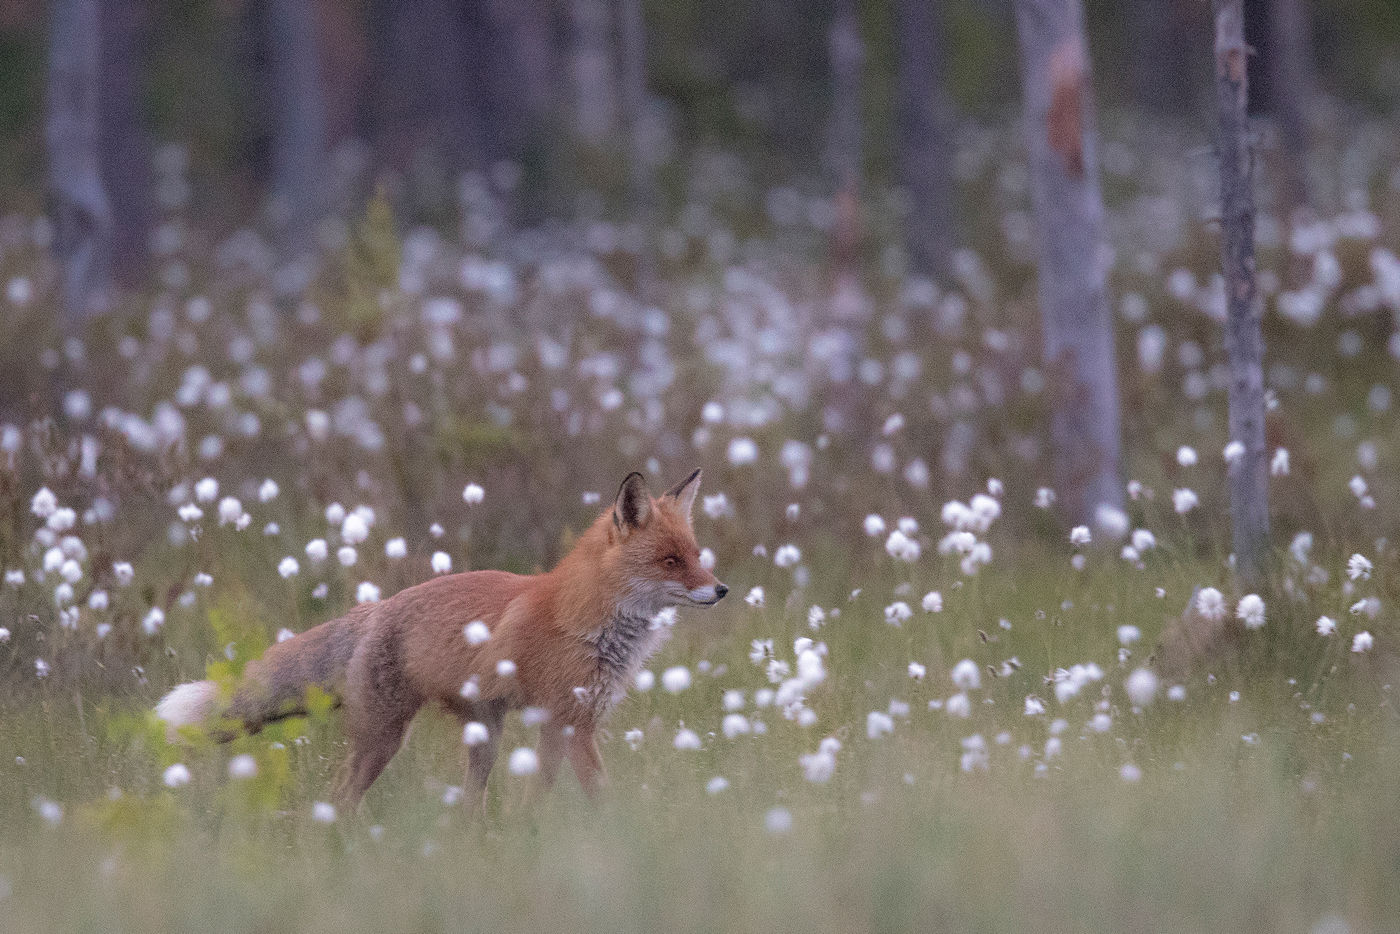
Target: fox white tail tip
[{"x": 187, "y": 705}]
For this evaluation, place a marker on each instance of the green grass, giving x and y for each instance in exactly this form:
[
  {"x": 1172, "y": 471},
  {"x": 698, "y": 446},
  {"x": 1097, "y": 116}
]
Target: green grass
[{"x": 1248, "y": 816}]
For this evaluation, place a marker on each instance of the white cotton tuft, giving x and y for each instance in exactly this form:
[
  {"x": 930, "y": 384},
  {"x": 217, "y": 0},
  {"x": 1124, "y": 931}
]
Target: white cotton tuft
[
  {"x": 676, "y": 679},
  {"x": 1141, "y": 687},
  {"x": 176, "y": 776},
  {"x": 524, "y": 761},
  {"x": 967, "y": 675}
]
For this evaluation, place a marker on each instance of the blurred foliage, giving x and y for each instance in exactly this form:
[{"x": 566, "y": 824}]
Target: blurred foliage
[{"x": 359, "y": 282}]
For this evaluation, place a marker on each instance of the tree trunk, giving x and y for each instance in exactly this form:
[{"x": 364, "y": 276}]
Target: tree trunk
[
  {"x": 1244, "y": 341},
  {"x": 1161, "y": 39},
  {"x": 844, "y": 135},
  {"x": 641, "y": 157},
  {"x": 81, "y": 210},
  {"x": 125, "y": 145},
  {"x": 523, "y": 80},
  {"x": 424, "y": 99},
  {"x": 924, "y": 131},
  {"x": 296, "y": 112},
  {"x": 1291, "y": 87},
  {"x": 595, "y": 72},
  {"x": 1062, "y": 144}
]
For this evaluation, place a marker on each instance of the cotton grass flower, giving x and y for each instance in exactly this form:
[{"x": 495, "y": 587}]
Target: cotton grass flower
[
  {"x": 476, "y": 632},
  {"x": 676, "y": 679},
  {"x": 878, "y": 723},
  {"x": 44, "y": 503},
  {"x": 354, "y": 529},
  {"x": 1325, "y": 625},
  {"x": 395, "y": 548},
  {"x": 1250, "y": 611},
  {"x": 441, "y": 562},
  {"x": 523, "y": 761},
  {"x": 367, "y": 592},
  {"x": 176, "y": 776},
  {"x": 787, "y": 556},
  {"x": 288, "y": 567},
  {"x": 966, "y": 675},
  {"x": 1141, "y": 687},
  {"x": 1362, "y": 642},
  {"x": 742, "y": 451},
  {"x": 242, "y": 766},
  {"x": 735, "y": 724},
  {"x": 932, "y": 602},
  {"x": 473, "y": 494},
  {"x": 1359, "y": 568},
  {"x": 1210, "y": 604},
  {"x": 1184, "y": 500},
  {"x": 897, "y": 612},
  {"x": 323, "y": 812},
  {"x": 687, "y": 740}
]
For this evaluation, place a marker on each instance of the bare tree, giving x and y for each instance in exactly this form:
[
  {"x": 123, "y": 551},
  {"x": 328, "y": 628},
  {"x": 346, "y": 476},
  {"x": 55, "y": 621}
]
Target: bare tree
[
  {"x": 523, "y": 64},
  {"x": 635, "y": 102},
  {"x": 924, "y": 134},
  {"x": 1244, "y": 341},
  {"x": 596, "y": 85},
  {"x": 125, "y": 148},
  {"x": 1062, "y": 144},
  {"x": 641, "y": 155},
  {"x": 296, "y": 112},
  {"x": 422, "y": 63},
  {"x": 81, "y": 210},
  {"x": 1162, "y": 36},
  {"x": 1290, "y": 69},
  {"x": 844, "y": 143}
]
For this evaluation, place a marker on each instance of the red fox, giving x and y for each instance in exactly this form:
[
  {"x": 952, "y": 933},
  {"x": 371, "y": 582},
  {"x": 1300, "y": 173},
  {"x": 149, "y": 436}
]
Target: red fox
[{"x": 481, "y": 643}]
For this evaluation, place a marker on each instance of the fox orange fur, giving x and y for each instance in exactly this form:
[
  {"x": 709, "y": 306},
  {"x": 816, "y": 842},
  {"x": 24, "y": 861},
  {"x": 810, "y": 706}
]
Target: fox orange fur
[{"x": 576, "y": 635}]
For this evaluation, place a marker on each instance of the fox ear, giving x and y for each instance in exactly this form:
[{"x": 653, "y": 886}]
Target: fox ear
[
  {"x": 632, "y": 507},
  {"x": 684, "y": 492}
]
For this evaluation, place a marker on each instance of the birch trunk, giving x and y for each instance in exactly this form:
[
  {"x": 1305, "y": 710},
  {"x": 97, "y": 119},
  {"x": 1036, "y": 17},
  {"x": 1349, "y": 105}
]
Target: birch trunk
[
  {"x": 81, "y": 210},
  {"x": 1244, "y": 342},
  {"x": 641, "y": 157},
  {"x": 924, "y": 131},
  {"x": 1291, "y": 87},
  {"x": 297, "y": 119},
  {"x": 125, "y": 143},
  {"x": 595, "y": 72},
  {"x": 844, "y": 135},
  {"x": 425, "y": 104},
  {"x": 1062, "y": 145}
]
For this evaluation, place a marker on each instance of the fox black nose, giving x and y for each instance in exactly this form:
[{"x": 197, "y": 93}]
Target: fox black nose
[{"x": 720, "y": 591}]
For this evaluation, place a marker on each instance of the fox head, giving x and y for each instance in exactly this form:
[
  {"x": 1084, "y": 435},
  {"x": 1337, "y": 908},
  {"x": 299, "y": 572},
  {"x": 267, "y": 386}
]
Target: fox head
[{"x": 654, "y": 546}]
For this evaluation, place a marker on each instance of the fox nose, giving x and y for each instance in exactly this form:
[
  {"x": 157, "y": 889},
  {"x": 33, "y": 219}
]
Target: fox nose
[{"x": 720, "y": 591}]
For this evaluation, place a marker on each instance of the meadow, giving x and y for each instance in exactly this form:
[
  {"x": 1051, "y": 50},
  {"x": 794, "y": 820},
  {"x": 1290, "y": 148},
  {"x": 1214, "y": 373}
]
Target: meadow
[{"x": 926, "y": 704}]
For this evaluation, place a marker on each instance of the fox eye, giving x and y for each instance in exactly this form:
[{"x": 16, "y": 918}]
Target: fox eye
[{"x": 672, "y": 561}]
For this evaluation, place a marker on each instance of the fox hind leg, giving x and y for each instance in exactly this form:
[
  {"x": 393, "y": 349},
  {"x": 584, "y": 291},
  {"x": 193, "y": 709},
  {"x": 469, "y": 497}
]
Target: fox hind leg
[
  {"x": 482, "y": 757},
  {"x": 371, "y": 748}
]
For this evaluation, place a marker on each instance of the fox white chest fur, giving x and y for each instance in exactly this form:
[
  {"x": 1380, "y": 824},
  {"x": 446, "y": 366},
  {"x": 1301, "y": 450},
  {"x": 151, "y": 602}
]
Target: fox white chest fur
[{"x": 623, "y": 644}]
